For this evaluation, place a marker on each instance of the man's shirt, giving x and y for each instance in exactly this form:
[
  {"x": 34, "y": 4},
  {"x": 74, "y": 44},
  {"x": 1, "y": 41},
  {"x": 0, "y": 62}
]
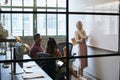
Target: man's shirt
[{"x": 36, "y": 47}]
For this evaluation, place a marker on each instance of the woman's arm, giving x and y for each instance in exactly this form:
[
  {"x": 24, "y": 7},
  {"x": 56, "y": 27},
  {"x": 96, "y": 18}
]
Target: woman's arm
[
  {"x": 59, "y": 54},
  {"x": 77, "y": 38},
  {"x": 65, "y": 51}
]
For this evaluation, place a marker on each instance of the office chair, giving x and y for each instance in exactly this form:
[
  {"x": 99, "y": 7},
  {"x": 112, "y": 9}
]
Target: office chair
[
  {"x": 70, "y": 47},
  {"x": 50, "y": 67}
]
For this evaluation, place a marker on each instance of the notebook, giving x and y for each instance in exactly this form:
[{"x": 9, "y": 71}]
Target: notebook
[{"x": 28, "y": 70}]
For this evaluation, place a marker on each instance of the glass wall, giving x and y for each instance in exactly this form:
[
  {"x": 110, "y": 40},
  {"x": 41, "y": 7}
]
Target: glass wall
[{"x": 100, "y": 20}]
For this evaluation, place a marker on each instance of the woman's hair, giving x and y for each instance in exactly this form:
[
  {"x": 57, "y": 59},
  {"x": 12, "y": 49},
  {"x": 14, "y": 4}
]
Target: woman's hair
[
  {"x": 51, "y": 46},
  {"x": 80, "y": 23}
]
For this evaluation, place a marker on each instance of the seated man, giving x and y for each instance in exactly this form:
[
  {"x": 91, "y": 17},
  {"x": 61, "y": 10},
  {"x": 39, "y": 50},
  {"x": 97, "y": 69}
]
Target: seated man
[{"x": 36, "y": 47}]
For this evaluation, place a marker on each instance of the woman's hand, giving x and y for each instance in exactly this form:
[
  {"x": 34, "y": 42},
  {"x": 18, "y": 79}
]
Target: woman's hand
[
  {"x": 85, "y": 38},
  {"x": 64, "y": 48},
  {"x": 65, "y": 51},
  {"x": 79, "y": 41}
]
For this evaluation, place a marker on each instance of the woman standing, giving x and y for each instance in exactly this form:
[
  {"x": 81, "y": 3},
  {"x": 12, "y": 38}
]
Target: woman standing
[{"x": 81, "y": 37}]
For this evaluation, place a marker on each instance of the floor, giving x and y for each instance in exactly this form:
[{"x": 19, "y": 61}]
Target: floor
[
  {"x": 75, "y": 66},
  {"x": 88, "y": 77}
]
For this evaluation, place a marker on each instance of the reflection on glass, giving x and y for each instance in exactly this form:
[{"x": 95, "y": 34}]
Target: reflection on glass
[
  {"x": 28, "y": 2},
  {"x": 107, "y": 25},
  {"x": 17, "y": 22},
  {"x": 51, "y": 3},
  {"x": 41, "y": 3},
  {"x": 61, "y": 3},
  {"x": 53, "y": 10},
  {"x": 41, "y": 24},
  {"x": 101, "y": 29},
  {"x": 51, "y": 24},
  {"x": 94, "y": 6},
  {"x": 16, "y": 2},
  {"x": 6, "y": 20},
  {"x": 41, "y": 10},
  {"x": 4, "y": 4},
  {"x": 28, "y": 23},
  {"x": 61, "y": 10},
  {"x": 61, "y": 24}
]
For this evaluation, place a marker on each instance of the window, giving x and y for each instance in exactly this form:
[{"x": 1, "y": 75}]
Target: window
[
  {"x": 17, "y": 22},
  {"x": 20, "y": 24},
  {"x": 28, "y": 23}
]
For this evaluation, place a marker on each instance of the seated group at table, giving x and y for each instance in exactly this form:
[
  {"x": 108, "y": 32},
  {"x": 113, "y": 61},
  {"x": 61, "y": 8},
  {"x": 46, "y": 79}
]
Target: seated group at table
[{"x": 52, "y": 50}]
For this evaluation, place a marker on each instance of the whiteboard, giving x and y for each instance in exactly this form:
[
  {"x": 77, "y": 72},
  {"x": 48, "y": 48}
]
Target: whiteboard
[{"x": 103, "y": 33}]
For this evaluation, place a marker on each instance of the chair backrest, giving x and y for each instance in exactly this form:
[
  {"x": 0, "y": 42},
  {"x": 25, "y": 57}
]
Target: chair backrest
[
  {"x": 43, "y": 62},
  {"x": 62, "y": 45}
]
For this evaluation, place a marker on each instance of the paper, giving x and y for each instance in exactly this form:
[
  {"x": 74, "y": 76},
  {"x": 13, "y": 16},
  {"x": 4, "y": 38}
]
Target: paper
[
  {"x": 32, "y": 76},
  {"x": 59, "y": 63},
  {"x": 29, "y": 64},
  {"x": 28, "y": 70}
]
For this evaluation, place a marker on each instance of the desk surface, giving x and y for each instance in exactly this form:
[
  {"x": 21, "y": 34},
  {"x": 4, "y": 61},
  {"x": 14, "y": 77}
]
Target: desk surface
[{"x": 35, "y": 69}]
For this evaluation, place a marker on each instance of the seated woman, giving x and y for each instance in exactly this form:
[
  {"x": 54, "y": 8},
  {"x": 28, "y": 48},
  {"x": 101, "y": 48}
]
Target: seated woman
[{"x": 54, "y": 51}]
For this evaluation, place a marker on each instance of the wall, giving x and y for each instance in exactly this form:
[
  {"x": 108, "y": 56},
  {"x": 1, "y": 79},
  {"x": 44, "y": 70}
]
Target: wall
[{"x": 104, "y": 68}]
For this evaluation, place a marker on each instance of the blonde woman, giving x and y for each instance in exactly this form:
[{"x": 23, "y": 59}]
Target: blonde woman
[{"x": 81, "y": 37}]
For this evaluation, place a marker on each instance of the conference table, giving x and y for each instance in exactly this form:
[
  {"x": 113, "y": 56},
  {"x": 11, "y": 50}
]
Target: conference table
[{"x": 30, "y": 71}]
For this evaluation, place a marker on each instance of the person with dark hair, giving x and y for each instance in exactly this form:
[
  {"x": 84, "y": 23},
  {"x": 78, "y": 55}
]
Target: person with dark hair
[
  {"x": 54, "y": 51},
  {"x": 36, "y": 47},
  {"x": 52, "y": 47}
]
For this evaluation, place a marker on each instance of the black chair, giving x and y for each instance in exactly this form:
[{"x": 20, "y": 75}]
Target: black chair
[
  {"x": 50, "y": 67},
  {"x": 70, "y": 47}
]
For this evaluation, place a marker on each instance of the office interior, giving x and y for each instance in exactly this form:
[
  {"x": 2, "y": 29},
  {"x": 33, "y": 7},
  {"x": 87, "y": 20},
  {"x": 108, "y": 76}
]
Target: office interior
[{"x": 57, "y": 19}]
